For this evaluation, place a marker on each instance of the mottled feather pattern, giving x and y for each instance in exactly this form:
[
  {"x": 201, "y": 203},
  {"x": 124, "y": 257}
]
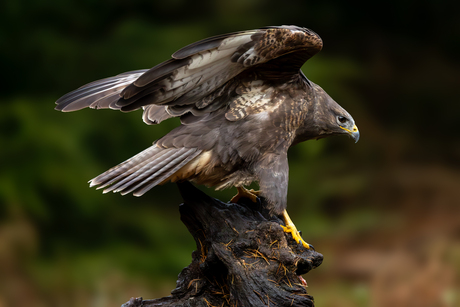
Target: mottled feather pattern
[
  {"x": 279, "y": 41},
  {"x": 253, "y": 98},
  {"x": 208, "y": 99}
]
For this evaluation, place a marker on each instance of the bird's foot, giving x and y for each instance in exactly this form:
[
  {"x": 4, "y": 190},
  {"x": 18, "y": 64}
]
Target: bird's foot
[
  {"x": 296, "y": 235},
  {"x": 290, "y": 227},
  {"x": 243, "y": 192}
]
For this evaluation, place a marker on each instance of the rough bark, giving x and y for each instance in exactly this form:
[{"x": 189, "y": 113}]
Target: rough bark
[{"x": 243, "y": 257}]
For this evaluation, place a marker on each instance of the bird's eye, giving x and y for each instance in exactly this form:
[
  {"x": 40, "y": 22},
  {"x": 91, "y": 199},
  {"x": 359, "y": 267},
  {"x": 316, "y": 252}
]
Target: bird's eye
[{"x": 342, "y": 119}]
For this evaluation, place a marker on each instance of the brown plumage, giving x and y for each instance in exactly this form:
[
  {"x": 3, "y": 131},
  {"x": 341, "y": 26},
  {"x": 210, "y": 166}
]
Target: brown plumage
[{"x": 242, "y": 100}]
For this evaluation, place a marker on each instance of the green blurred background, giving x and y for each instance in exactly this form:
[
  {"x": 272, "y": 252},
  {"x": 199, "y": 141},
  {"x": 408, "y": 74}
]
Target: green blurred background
[{"x": 385, "y": 212}]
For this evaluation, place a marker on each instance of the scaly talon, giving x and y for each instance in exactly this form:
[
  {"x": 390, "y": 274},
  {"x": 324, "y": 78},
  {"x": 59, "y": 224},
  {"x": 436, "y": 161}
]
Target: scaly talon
[
  {"x": 257, "y": 193},
  {"x": 243, "y": 192},
  {"x": 290, "y": 227}
]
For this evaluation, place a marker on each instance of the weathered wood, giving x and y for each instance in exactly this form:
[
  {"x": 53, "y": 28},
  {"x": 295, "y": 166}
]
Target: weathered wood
[{"x": 243, "y": 257}]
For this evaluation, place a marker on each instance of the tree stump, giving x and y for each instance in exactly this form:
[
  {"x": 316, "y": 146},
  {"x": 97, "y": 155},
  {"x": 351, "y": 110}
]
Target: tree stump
[{"x": 243, "y": 257}]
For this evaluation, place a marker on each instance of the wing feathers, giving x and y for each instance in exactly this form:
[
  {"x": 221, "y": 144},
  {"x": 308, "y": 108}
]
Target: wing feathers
[
  {"x": 209, "y": 57},
  {"x": 202, "y": 45},
  {"x": 154, "y": 114},
  {"x": 159, "y": 71},
  {"x": 92, "y": 94},
  {"x": 167, "y": 172},
  {"x": 196, "y": 71},
  {"x": 132, "y": 163},
  {"x": 145, "y": 170},
  {"x": 201, "y": 68}
]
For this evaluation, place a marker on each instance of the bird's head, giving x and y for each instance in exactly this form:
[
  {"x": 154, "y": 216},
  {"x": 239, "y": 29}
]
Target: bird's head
[
  {"x": 326, "y": 118},
  {"x": 333, "y": 119},
  {"x": 340, "y": 122}
]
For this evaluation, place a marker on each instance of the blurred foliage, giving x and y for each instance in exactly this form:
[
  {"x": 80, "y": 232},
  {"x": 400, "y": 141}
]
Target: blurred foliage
[{"x": 384, "y": 212}]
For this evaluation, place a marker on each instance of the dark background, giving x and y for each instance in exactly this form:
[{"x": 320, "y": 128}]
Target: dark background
[{"x": 385, "y": 212}]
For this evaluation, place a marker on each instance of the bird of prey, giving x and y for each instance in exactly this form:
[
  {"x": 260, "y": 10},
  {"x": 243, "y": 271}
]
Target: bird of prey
[{"x": 242, "y": 100}]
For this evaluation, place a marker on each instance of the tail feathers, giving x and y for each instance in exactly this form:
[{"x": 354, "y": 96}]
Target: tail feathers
[{"x": 145, "y": 170}]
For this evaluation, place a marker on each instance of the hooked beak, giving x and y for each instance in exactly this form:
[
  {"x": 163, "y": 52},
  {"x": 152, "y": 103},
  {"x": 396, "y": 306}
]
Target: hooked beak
[{"x": 354, "y": 133}]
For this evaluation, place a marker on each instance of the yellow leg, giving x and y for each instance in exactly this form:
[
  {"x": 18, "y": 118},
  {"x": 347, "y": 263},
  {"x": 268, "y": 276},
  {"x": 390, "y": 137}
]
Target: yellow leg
[
  {"x": 290, "y": 227},
  {"x": 243, "y": 192}
]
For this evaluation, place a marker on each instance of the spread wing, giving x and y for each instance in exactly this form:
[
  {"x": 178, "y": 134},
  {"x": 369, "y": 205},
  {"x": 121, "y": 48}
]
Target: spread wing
[{"x": 203, "y": 77}]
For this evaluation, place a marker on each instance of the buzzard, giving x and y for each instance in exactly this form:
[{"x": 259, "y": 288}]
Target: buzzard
[{"x": 242, "y": 101}]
